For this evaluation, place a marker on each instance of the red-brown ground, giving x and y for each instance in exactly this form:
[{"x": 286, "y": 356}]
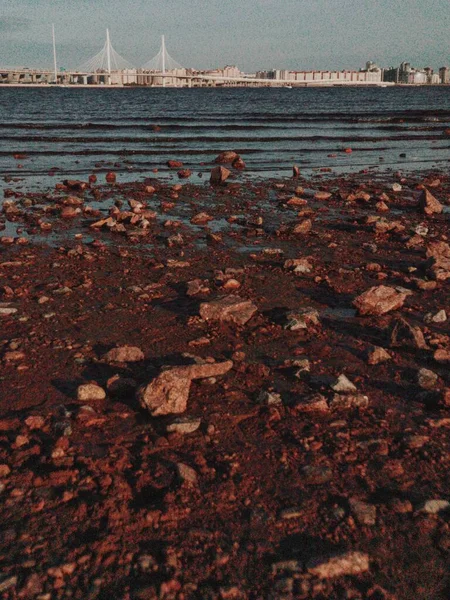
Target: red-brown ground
[{"x": 92, "y": 502}]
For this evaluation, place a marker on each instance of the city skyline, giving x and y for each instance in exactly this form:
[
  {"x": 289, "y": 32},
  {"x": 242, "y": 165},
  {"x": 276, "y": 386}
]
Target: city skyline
[{"x": 255, "y": 36}]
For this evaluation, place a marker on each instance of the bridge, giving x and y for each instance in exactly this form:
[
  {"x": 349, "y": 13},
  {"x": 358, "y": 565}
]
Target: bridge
[{"x": 109, "y": 68}]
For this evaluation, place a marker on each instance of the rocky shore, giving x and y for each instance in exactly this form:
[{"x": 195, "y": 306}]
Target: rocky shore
[{"x": 228, "y": 391}]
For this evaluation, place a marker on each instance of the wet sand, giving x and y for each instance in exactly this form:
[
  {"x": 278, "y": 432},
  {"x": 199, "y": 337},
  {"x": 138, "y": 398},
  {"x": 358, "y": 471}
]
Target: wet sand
[{"x": 273, "y": 467}]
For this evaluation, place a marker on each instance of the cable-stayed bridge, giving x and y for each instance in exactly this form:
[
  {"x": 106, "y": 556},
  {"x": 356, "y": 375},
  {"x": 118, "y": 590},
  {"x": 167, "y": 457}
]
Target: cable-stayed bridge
[{"x": 108, "y": 67}]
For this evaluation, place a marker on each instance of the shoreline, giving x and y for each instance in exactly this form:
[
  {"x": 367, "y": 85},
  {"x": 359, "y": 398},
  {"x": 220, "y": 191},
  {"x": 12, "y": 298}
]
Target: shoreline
[
  {"x": 276, "y": 462},
  {"x": 383, "y": 85}
]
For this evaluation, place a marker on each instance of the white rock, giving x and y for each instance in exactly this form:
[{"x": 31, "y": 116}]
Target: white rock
[
  {"x": 187, "y": 474},
  {"x": 433, "y": 507},
  {"x": 184, "y": 425},
  {"x": 350, "y": 563},
  {"x": 343, "y": 385}
]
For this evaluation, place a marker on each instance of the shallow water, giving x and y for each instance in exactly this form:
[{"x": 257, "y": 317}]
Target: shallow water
[{"x": 67, "y": 132}]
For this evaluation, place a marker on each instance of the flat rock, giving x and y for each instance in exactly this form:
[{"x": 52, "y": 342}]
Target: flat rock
[
  {"x": 229, "y": 156},
  {"x": 169, "y": 392},
  {"x": 379, "y": 300},
  {"x": 184, "y": 425},
  {"x": 315, "y": 403},
  {"x": 124, "y": 354},
  {"x": 348, "y": 563},
  {"x": 90, "y": 391},
  {"x": 229, "y": 309},
  {"x": 303, "y": 227}
]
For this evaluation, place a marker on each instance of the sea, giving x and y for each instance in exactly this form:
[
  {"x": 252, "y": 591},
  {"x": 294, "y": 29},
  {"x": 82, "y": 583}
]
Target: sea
[{"x": 54, "y": 133}]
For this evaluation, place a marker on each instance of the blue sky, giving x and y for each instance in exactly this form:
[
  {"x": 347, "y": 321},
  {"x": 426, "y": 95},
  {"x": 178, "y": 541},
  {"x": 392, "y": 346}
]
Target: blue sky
[{"x": 254, "y": 34}]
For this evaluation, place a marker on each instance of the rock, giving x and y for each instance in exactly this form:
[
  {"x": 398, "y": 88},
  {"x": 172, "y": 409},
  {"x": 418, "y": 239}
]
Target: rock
[
  {"x": 302, "y": 318},
  {"x": 14, "y": 356},
  {"x": 438, "y": 254},
  {"x": 349, "y": 401},
  {"x": 343, "y": 385},
  {"x": 70, "y": 212},
  {"x": 90, "y": 391},
  {"x": 322, "y": 195},
  {"x": 269, "y": 398},
  {"x": 291, "y": 513},
  {"x": 229, "y": 309},
  {"x": 174, "y": 164},
  {"x": 315, "y": 403},
  {"x": 7, "y": 309},
  {"x": 349, "y": 563},
  {"x": 303, "y": 227},
  {"x": 377, "y": 355},
  {"x": 238, "y": 163},
  {"x": 317, "y": 475},
  {"x": 187, "y": 474},
  {"x": 427, "y": 379},
  {"x": 124, "y": 354},
  {"x": 229, "y": 156},
  {"x": 442, "y": 355},
  {"x": 439, "y": 317},
  {"x": 4, "y": 471},
  {"x": 382, "y": 206},
  {"x": 219, "y": 175},
  {"x": 404, "y": 334},
  {"x": 197, "y": 286},
  {"x": 7, "y": 583},
  {"x": 184, "y": 425},
  {"x": 201, "y": 218},
  {"x": 231, "y": 284},
  {"x": 298, "y": 265},
  {"x": 428, "y": 203},
  {"x": 379, "y": 300},
  {"x": 169, "y": 392},
  {"x": 433, "y": 507},
  {"x": 110, "y": 177},
  {"x": 294, "y": 201},
  {"x": 365, "y": 514},
  {"x": 34, "y": 422},
  {"x": 396, "y": 187},
  {"x": 184, "y": 173}
]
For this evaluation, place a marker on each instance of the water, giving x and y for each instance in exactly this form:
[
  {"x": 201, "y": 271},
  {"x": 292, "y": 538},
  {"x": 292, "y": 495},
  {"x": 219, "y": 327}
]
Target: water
[{"x": 73, "y": 132}]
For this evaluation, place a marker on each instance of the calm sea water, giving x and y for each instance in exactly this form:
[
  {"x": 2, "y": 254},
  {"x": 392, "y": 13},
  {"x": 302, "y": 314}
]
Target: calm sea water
[{"x": 73, "y": 132}]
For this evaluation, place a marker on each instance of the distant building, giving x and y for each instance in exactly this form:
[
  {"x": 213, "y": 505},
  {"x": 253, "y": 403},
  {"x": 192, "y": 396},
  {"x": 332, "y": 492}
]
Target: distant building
[
  {"x": 444, "y": 75},
  {"x": 231, "y": 71},
  {"x": 391, "y": 75}
]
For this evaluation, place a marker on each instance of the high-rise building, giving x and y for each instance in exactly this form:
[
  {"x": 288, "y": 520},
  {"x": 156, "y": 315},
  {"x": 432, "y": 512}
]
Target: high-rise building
[{"x": 444, "y": 75}]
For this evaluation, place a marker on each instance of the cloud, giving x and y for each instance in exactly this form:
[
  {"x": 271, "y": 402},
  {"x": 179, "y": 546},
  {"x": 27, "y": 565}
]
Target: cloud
[{"x": 11, "y": 24}]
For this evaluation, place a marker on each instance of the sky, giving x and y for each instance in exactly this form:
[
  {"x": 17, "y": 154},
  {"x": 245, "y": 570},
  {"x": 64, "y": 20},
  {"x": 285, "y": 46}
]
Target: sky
[{"x": 252, "y": 34}]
